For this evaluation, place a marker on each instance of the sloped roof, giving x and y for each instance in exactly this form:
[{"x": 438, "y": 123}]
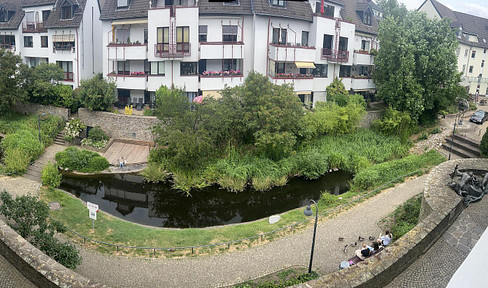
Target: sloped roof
[
  {"x": 300, "y": 10},
  {"x": 16, "y": 19},
  {"x": 55, "y": 20},
  {"x": 351, "y": 11},
  {"x": 137, "y": 9},
  {"x": 218, "y": 8},
  {"x": 445, "y": 12},
  {"x": 32, "y": 3}
]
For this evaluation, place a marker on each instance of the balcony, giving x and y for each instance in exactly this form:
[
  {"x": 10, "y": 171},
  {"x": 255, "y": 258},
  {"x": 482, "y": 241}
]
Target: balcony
[
  {"x": 362, "y": 58},
  {"x": 336, "y": 56},
  {"x": 33, "y": 27},
  {"x": 129, "y": 80},
  {"x": 124, "y": 51},
  {"x": 178, "y": 50},
  {"x": 221, "y": 50},
  {"x": 68, "y": 76},
  {"x": 217, "y": 80},
  {"x": 362, "y": 83},
  {"x": 291, "y": 53},
  {"x": 301, "y": 82}
]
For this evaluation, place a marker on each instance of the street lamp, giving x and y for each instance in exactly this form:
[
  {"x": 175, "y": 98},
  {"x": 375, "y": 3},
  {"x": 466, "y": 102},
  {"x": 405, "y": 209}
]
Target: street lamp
[
  {"x": 39, "y": 124},
  {"x": 308, "y": 212}
]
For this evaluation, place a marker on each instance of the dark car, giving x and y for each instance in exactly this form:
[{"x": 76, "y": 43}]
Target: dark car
[{"x": 479, "y": 117}]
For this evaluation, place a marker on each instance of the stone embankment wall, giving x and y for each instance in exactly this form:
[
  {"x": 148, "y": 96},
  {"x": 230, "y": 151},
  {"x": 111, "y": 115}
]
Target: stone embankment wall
[
  {"x": 440, "y": 207},
  {"x": 32, "y": 108},
  {"x": 40, "y": 269},
  {"x": 120, "y": 126},
  {"x": 369, "y": 117}
]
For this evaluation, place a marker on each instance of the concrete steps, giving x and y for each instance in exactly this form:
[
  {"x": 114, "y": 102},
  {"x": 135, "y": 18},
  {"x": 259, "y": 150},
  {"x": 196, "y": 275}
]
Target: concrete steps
[
  {"x": 59, "y": 139},
  {"x": 462, "y": 146}
]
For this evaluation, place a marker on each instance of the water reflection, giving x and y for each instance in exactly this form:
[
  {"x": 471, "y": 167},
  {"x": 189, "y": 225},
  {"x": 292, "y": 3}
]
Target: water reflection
[{"x": 129, "y": 197}]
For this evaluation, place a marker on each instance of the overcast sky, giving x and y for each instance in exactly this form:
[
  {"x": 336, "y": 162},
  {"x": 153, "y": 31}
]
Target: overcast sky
[{"x": 474, "y": 7}]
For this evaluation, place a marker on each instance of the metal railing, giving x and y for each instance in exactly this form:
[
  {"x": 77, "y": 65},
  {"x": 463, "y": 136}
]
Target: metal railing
[
  {"x": 172, "y": 50},
  {"x": 259, "y": 237},
  {"x": 33, "y": 27},
  {"x": 335, "y": 55}
]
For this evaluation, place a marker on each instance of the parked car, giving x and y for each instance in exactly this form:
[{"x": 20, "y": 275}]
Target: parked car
[{"x": 479, "y": 117}]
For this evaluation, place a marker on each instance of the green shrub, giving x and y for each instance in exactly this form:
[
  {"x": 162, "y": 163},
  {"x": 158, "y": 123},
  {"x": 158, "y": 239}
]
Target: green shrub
[
  {"x": 20, "y": 148},
  {"x": 484, "y": 144},
  {"x": 472, "y": 106},
  {"x": 154, "y": 173},
  {"x": 86, "y": 161},
  {"x": 148, "y": 112},
  {"x": 436, "y": 130},
  {"x": 16, "y": 162},
  {"x": 97, "y": 134},
  {"x": 73, "y": 129},
  {"x": 406, "y": 217},
  {"x": 51, "y": 176},
  {"x": 423, "y": 136},
  {"x": 396, "y": 123}
]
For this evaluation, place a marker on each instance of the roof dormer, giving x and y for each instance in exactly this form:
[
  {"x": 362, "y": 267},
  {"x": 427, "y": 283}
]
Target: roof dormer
[
  {"x": 123, "y": 4},
  {"x": 365, "y": 14},
  {"x": 68, "y": 9},
  {"x": 6, "y": 12}
]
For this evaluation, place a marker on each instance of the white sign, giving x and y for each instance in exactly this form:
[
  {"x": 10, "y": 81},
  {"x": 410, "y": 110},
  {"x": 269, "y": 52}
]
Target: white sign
[
  {"x": 93, "y": 214},
  {"x": 91, "y": 206}
]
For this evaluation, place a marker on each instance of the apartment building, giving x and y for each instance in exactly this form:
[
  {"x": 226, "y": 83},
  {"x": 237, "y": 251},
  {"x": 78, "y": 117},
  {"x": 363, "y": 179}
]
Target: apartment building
[
  {"x": 65, "y": 32},
  {"x": 204, "y": 46},
  {"x": 472, "y": 36}
]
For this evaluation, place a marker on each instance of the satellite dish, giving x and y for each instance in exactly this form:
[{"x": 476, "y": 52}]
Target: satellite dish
[{"x": 463, "y": 105}]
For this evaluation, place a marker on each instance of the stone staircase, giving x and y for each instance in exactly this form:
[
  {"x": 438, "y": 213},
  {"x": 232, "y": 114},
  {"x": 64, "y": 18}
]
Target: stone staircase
[
  {"x": 462, "y": 146},
  {"x": 59, "y": 138}
]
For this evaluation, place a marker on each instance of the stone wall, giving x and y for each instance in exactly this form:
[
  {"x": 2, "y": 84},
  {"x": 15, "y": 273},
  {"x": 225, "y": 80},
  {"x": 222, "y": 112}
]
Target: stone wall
[
  {"x": 440, "y": 207},
  {"x": 32, "y": 108},
  {"x": 369, "y": 117},
  {"x": 40, "y": 269},
  {"x": 120, "y": 126}
]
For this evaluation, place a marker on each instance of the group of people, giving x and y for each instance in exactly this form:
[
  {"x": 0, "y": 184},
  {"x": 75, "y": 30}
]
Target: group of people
[
  {"x": 367, "y": 250},
  {"x": 121, "y": 162}
]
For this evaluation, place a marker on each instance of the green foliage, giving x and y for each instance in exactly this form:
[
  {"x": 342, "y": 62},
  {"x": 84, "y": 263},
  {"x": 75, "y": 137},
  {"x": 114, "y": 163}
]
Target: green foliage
[
  {"x": 97, "y": 94},
  {"x": 42, "y": 85},
  {"x": 393, "y": 8},
  {"x": 12, "y": 79},
  {"x": 97, "y": 134},
  {"x": 396, "y": 123},
  {"x": 51, "y": 176},
  {"x": 73, "y": 129},
  {"x": 28, "y": 217},
  {"x": 436, "y": 130},
  {"x": 286, "y": 278},
  {"x": 416, "y": 67},
  {"x": 384, "y": 172},
  {"x": 20, "y": 148},
  {"x": 86, "y": 161},
  {"x": 336, "y": 92},
  {"x": 96, "y": 144},
  {"x": 484, "y": 144},
  {"x": 423, "y": 136},
  {"x": 472, "y": 106},
  {"x": 148, "y": 112},
  {"x": 406, "y": 217},
  {"x": 154, "y": 173}
]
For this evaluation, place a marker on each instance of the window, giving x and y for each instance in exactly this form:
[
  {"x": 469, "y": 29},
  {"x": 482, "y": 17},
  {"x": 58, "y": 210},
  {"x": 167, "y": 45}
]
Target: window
[
  {"x": 122, "y": 3},
  {"x": 229, "y": 64},
  {"x": 188, "y": 68},
  {"x": 345, "y": 71},
  {"x": 67, "y": 67},
  {"x": 304, "y": 38},
  {"x": 7, "y": 41},
  {"x": 458, "y": 50},
  {"x": 342, "y": 44},
  {"x": 279, "y": 36},
  {"x": 470, "y": 69},
  {"x": 328, "y": 9},
  {"x": 67, "y": 10},
  {"x": 365, "y": 45},
  {"x": 320, "y": 70},
  {"x": 183, "y": 39},
  {"x": 28, "y": 41},
  {"x": 146, "y": 36},
  {"x": 466, "y": 53},
  {"x": 482, "y": 63},
  {"x": 44, "y": 41},
  {"x": 3, "y": 15},
  {"x": 280, "y": 67},
  {"x": 45, "y": 15},
  {"x": 464, "y": 68},
  {"x": 162, "y": 39},
  {"x": 281, "y": 3},
  {"x": 229, "y": 33},
  {"x": 473, "y": 54},
  {"x": 157, "y": 68},
  {"x": 64, "y": 42},
  {"x": 367, "y": 18},
  {"x": 202, "y": 33},
  {"x": 123, "y": 67},
  {"x": 122, "y": 36}
]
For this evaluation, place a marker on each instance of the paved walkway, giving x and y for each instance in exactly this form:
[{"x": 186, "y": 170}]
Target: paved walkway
[{"x": 11, "y": 277}]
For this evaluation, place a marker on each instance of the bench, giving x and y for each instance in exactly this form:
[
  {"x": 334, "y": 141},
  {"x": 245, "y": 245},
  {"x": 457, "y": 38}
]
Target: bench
[{"x": 355, "y": 259}]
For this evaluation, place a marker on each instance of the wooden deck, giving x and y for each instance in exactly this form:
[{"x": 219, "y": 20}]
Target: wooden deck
[{"x": 133, "y": 153}]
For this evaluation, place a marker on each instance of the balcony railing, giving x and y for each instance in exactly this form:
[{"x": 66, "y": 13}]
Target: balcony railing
[
  {"x": 68, "y": 76},
  {"x": 172, "y": 50},
  {"x": 58, "y": 46},
  {"x": 292, "y": 45},
  {"x": 226, "y": 73},
  {"x": 33, "y": 27},
  {"x": 292, "y": 76},
  {"x": 335, "y": 55},
  {"x": 128, "y": 74}
]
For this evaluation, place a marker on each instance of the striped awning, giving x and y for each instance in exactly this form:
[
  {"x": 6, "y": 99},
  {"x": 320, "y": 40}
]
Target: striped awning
[
  {"x": 64, "y": 38},
  {"x": 305, "y": 65},
  {"x": 128, "y": 22}
]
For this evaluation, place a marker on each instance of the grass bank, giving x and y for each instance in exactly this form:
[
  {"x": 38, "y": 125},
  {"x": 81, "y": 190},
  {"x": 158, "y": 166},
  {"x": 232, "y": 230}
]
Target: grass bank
[
  {"x": 115, "y": 231},
  {"x": 404, "y": 218}
]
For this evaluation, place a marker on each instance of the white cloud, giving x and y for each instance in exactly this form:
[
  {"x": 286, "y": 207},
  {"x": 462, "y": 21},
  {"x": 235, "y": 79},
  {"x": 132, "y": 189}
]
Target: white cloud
[{"x": 475, "y": 9}]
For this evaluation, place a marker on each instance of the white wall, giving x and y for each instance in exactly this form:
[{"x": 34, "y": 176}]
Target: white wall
[{"x": 91, "y": 41}]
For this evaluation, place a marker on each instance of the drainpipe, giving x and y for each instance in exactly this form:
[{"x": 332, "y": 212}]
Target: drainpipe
[
  {"x": 77, "y": 59},
  {"x": 267, "y": 48}
]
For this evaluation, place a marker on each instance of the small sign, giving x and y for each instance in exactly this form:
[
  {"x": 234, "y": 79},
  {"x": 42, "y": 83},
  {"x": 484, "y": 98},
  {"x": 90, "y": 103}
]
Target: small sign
[
  {"x": 93, "y": 214},
  {"x": 91, "y": 206}
]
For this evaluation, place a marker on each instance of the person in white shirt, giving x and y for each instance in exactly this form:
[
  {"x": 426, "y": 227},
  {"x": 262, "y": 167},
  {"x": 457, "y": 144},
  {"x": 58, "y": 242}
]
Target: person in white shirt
[{"x": 385, "y": 239}]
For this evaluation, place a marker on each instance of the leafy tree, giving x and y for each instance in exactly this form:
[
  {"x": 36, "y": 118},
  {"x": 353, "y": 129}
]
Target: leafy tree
[
  {"x": 394, "y": 122},
  {"x": 392, "y": 8},
  {"x": 51, "y": 176},
  {"x": 416, "y": 67},
  {"x": 336, "y": 92},
  {"x": 29, "y": 217},
  {"x": 42, "y": 82},
  {"x": 484, "y": 144},
  {"x": 97, "y": 94},
  {"x": 12, "y": 79}
]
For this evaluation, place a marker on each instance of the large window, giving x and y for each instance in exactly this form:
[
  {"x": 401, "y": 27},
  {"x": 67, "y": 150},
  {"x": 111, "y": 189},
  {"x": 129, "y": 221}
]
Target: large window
[
  {"x": 281, "y": 3},
  {"x": 122, "y": 35},
  {"x": 280, "y": 67},
  {"x": 123, "y": 67},
  {"x": 45, "y": 15},
  {"x": 158, "y": 68},
  {"x": 304, "y": 38},
  {"x": 229, "y": 33},
  {"x": 183, "y": 39},
  {"x": 328, "y": 9},
  {"x": 345, "y": 71},
  {"x": 67, "y": 67},
  {"x": 279, "y": 36},
  {"x": 229, "y": 64},
  {"x": 7, "y": 41},
  {"x": 327, "y": 44},
  {"x": 342, "y": 43},
  {"x": 67, "y": 10},
  {"x": 470, "y": 69},
  {"x": 162, "y": 39},
  {"x": 320, "y": 70},
  {"x": 64, "y": 42},
  {"x": 188, "y": 68},
  {"x": 28, "y": 41},
  {"x": 367, "y": 18},
  {"x": 202, "y": 33},
  {"x": 365, "y": 45},
  {"x": 44, "y": 41}
]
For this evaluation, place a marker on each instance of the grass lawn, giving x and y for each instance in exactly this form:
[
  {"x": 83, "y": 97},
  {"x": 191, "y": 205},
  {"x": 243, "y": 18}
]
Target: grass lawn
[{"x": 113, "y": 230}]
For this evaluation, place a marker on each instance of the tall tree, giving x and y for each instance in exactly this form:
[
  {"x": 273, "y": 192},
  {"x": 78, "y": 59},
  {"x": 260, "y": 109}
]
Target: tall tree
[
  {"x": 393, "y": 8},
  {"x": 416, "y": 66},
  {"x": 12, "y": 79},
  {"x": 97, "y": 94}
]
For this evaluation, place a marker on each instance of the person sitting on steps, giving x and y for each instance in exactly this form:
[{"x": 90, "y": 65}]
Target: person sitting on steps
[{"x": 385, "y": 240}]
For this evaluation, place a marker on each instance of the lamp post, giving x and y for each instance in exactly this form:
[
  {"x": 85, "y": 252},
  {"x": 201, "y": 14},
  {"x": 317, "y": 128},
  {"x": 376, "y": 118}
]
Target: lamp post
[
  {"x": 39, "y": 124},
  {"x": 308, "y": 212}
]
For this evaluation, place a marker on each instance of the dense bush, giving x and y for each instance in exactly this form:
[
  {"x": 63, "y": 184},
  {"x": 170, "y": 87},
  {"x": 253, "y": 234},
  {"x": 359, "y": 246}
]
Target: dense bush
[
  {"x": 484, "y": 144},
  {"x": 29, "y": 217},
  {"x": 97, "y": 134},
  {"x": 97, "y": 94},
  {"x": 51, "y": 176},
  {"x": 406, "y": 217},
  {"x": 86, "y": 161},
  {"x": 396, "y": 123},
  {"x": 20, "y": 148},
  {"x": 73, "y": 129}
]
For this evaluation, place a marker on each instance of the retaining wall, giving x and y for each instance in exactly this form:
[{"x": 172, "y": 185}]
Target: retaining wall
[
  {"x": 440, "y": 207},
  {"x": 32, "y": 108},
  {"x": 120, "y": 126},
  {"x": 369, "y": 117},
  {"x": 40, "y": 269}
]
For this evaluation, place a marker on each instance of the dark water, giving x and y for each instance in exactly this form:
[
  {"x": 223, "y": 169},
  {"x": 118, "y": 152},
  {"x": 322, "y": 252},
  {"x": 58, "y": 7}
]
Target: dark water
[{"x": 129, "y": 197}]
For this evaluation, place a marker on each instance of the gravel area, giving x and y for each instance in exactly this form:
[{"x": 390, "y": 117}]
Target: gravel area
[{"x": 18, "y": 186}]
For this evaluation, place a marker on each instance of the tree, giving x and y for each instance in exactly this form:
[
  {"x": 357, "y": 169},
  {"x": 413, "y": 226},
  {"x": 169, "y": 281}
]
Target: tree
[
  {"x": 336, "y": 92},
  {"x": 416, "y": 67},
  {"x": 393, "y": 8},
  {"x": 12, "y": 79},
  {"x": 97, "y": 94},
  {"x": 484, "y": 144},
  {"x": 42, "y": 81}
]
